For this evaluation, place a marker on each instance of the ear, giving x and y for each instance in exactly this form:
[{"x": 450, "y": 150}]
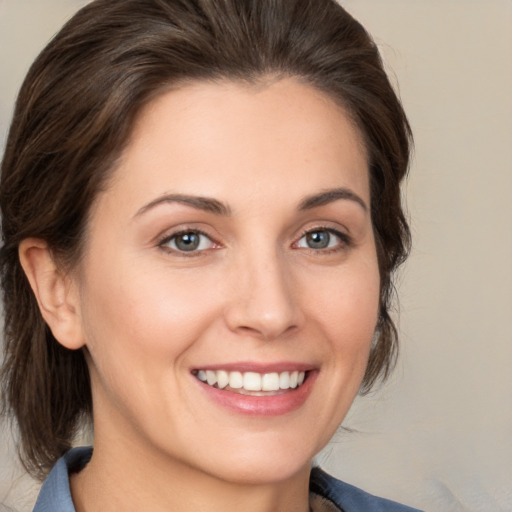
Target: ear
[{"x": 56, "y": 293}]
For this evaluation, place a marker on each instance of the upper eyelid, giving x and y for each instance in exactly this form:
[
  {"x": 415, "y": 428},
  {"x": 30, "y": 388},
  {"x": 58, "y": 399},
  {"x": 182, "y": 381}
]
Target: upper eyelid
[
  {"x": 166, "y": 238},
  {"x": 170, "y": 233},
  {"x": 339, "y": 232},
  {"x": 346, "y": 241}
]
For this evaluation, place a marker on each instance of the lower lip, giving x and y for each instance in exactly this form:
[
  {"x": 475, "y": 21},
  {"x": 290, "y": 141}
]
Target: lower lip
[{"x": 263, "y": 406}]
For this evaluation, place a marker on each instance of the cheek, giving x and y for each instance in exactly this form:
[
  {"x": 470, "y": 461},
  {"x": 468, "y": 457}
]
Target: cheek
[
  {"x": 346, "y": 306},
  {"x": 132, "y": 314}
]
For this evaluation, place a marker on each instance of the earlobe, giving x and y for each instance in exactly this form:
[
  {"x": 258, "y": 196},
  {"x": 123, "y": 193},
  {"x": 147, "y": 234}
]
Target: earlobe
[{"x": 55, "y": 292}]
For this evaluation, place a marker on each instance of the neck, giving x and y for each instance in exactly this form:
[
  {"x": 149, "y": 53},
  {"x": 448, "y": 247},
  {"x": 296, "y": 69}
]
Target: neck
[{"x": 126, "y": 478}]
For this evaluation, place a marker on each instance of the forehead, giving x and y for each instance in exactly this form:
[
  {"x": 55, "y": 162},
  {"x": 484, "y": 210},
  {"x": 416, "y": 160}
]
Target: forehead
[{"x": 204, "y": 134}]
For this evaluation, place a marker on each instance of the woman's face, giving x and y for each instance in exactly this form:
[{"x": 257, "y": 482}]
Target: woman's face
[{"x": 234, "y": 244}]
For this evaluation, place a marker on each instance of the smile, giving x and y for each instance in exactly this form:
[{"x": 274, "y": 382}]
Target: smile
[{"x": 252, "y": 382}]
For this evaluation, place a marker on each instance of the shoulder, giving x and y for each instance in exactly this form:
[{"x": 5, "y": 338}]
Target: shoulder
[
  {"x": 55, "y": 494},
  {"x": 349, "y": 498}
]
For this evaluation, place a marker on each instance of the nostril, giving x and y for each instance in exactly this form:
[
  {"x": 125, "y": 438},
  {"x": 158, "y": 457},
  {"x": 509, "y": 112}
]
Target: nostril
[{"x": 266, "y": 332}]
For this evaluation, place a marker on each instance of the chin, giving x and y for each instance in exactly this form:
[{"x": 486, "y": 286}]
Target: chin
[
  {"x": 269, "y": 463},
  {"x": 264, "y": 472}
]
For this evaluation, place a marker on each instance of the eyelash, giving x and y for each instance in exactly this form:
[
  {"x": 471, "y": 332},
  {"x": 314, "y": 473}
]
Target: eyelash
[
  {"x": 345, "y": 241},
  {"x": 162, "y": 243}
]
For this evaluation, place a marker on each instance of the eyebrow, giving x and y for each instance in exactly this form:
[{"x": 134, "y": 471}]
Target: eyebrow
[
  {"x": 206, "y": 204},
  {"x": 329, "y": 196}
]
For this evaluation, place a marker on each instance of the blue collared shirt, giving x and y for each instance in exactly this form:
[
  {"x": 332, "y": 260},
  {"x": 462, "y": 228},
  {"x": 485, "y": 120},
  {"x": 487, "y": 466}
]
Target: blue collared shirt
[{"x": 55, "y": 494}]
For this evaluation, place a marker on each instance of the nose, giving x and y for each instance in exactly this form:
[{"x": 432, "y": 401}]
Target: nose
[{"x": 264, "y": 302}]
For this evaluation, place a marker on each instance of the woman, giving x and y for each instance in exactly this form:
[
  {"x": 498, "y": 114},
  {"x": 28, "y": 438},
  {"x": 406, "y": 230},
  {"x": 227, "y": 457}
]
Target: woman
[{"x": 201, "y": 216}]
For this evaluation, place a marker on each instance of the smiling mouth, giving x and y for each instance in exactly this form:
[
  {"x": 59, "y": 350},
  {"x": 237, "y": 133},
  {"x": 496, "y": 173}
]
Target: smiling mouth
[{"x": 252, "y": 383}]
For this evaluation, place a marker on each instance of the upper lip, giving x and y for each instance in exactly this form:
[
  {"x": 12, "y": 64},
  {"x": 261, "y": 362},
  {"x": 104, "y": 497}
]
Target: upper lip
[{"x": 256, "y": 367}]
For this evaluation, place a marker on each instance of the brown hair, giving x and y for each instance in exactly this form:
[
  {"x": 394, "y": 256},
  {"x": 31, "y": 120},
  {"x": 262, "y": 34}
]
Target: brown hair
[{"x": 73, "y": 117}]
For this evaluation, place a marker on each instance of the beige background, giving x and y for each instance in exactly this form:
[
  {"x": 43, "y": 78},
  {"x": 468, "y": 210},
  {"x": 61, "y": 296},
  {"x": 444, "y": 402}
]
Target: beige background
[{"x": 439, "y": 435}]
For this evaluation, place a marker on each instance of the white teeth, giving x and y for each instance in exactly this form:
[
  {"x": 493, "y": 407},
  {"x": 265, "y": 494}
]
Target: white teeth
[
  {"x": 222, "y": 379},
  {"x": 252, "y": 381},
  {"x": 211, "y": 377},
  {"x": 284, "y": 380},
  {"x": 270, "y": 382},
  {"x": 236, "y": 380}
]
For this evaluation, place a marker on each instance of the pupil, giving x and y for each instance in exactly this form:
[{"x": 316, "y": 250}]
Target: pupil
[
  {"x": 318, "y": 239},
  {"x": 187, "y": 242}
]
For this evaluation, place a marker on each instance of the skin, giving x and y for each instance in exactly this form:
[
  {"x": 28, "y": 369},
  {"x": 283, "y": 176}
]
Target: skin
[{"x": 255, "y": 291}]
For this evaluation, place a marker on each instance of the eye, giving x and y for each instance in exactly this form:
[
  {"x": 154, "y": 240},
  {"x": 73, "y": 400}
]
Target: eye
[
  {"x": 321, "y": 239},
  {"x": 187, "y": 241}
]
